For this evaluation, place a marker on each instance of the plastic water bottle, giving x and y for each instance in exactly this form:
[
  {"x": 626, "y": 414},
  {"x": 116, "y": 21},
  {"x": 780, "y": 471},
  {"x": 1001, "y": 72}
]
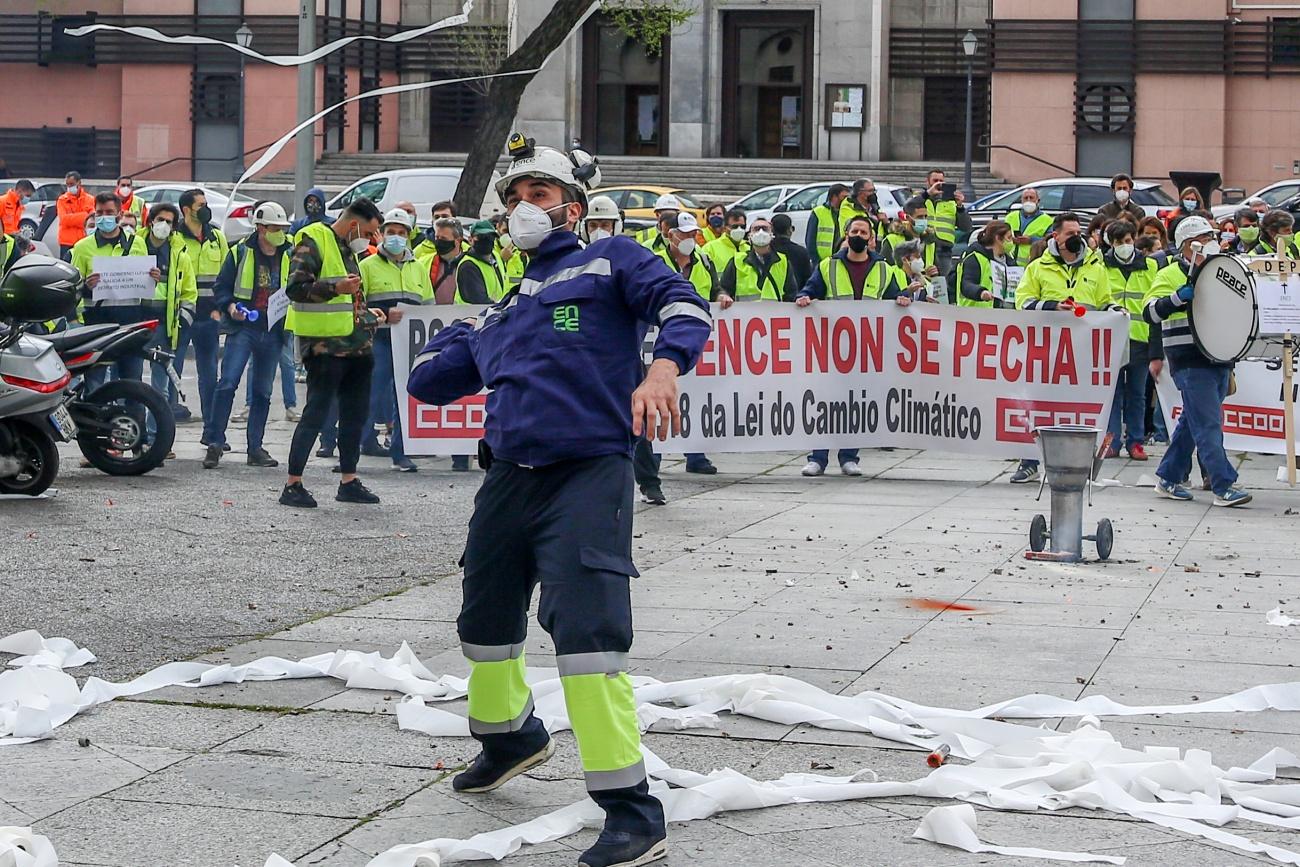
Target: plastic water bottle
[{"x": 250, "y": 315}]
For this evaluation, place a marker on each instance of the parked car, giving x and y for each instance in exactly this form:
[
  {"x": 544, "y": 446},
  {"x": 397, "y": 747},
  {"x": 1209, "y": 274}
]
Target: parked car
[
  {"x": 638, "y": 203},
  {"x": 235, "y": 219},
  {"x": 1084, "y": 196},
  {"x": 800, "y": 203},
  {"x": 765, "y": 197},
  {"x": 1277, "y": 194},
  {"x": 422, "y": 187}
]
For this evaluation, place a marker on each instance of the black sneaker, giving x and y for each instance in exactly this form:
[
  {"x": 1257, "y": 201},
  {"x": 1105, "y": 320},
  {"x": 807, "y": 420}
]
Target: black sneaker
[
  {"x": 704, "y": 468},
  {"x": 297, "y": 496},
  {"x": 485, "y": 775},
  {"x": 355, "y": 492},
  {"x": 373, "y": 450},
  {"x": 621, "y": 849},
  {"x": 212, "y": 458},
  {"x": 405, "y": 465},
  {"x": 653, "y": 495},
  {"x": 323, "y": 452},
  {"x": 225, "y": 447},
  {"x": 260, "y": 458}
]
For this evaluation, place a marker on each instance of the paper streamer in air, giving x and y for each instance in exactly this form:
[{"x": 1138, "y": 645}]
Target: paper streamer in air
[
  {"x": 271, "y": 152},
  {"x": 279, "y": 59}
]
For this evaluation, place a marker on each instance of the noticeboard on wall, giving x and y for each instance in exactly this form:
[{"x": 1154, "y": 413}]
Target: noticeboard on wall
[{"x": 846, "y": 106}]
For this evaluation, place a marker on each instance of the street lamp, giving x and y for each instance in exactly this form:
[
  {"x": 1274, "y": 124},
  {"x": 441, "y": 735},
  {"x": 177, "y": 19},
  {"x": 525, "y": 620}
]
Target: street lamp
[
  {"x": 244, "y": 39},
  {"x": 969, "y": 44}
]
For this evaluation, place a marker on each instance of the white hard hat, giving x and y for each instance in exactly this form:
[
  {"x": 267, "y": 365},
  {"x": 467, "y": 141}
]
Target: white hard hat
[
  {"x": 668, "y": 202},
  {"x": 400, "y": 217},
  {"x": 576, "y": 171},
  {"x": 1191, "y": 227},
  {"x": 270, "y": 214},
  {"x": 686, "y": 222},
  {"x": 602, "y": 208}
]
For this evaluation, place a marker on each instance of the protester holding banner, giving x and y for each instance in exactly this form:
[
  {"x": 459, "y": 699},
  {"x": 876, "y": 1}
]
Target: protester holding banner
[
  {"x": 391, "y": 277},
  {"x": 757, "y": 273},
  {"x": 856, "y": 272},
  {"x": 1129, "y": 275},
  {"x": 176, "y": 294},
  {"x": 255, "y": 271},
  {"x": 678, "y": 248},
  {"x": 982, "y": 271},
  {"x": 1203, "y": 383},
  {"x": 108, "y": 241},
  {"x": 556, "y": 506}
]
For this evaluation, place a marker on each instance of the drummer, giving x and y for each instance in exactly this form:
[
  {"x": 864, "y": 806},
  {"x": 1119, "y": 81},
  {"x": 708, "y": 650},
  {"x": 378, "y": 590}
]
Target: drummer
[
  {"x": 1277, "y": 234},
  {"x": 1203, "y": 383}
]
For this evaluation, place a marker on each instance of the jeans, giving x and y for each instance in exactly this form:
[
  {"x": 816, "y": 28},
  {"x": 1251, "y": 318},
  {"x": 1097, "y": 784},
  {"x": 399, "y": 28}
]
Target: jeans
[
  {"x": 383, "y": 397},
  {"x": 330, "y": 378},
  {"x": 204, "y": 333},
  {"x": 127, "y": 367},
  {"x": 822, "y": 457},
  {"x": 288, "y": 385},
  {"x": 263, "y": 348},
  {"x": 1130, "y": 403},
  {"x": 1201, "y": 427}
]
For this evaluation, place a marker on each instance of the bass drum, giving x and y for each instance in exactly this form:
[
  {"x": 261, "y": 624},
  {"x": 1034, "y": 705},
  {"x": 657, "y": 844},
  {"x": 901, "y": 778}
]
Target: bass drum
[{"x": 1223, "y": 314}]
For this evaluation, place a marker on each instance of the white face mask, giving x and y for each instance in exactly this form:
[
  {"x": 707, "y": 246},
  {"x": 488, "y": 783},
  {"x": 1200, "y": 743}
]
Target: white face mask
[
  {"x": 761, "y": 238},
  {"x": 1211, "y": 248},
  {"x": 1121, "y": 196},
  {"x": 529, "y": 225},
  {"x": 686, "y": 246},
  {"x": 599, "y": 235},
  {"x": 359, "y": 244},
  {"x": 737, "y": 234},
  {"x": 1124, "y": 252},
  {"x": 162, "y": 230},
  {"x": 124, "y": 192},
  {"x": 1029, "y": 207},
  {"x": 917, "y": 266}
]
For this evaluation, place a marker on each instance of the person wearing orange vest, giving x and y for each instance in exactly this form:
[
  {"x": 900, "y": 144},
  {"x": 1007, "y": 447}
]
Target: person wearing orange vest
[
  {"x": 12, "y": 204},
  {"x": 73, "y": 207}
]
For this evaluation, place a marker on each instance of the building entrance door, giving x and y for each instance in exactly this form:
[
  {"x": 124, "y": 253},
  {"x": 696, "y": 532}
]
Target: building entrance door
[{"x": 767, "y": 84}]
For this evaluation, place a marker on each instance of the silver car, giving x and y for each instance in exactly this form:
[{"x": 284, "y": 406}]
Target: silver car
[{"x": 235, "y": 219}]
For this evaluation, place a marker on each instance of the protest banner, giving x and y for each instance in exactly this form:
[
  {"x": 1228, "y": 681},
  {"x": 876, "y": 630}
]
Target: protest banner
[
  {"x": 1253, "y": 418},
  {"x": 775, "y": 377},
  {"x": 123, "y": 278}
]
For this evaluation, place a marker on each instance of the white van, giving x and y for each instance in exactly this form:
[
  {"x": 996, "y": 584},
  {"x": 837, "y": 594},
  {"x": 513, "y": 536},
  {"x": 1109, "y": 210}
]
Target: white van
[{"x": 422, "y": 187}]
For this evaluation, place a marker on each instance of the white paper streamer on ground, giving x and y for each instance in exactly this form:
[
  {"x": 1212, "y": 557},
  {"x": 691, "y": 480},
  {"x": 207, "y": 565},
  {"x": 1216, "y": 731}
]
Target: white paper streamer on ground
[
  {"x": 278, "y": 59},
  {"x": 1277, "y": 618},
  {"x": 36, "y": 649},
  {"x": 19, "y": 847},
  {"x": 956, "y": 826}
]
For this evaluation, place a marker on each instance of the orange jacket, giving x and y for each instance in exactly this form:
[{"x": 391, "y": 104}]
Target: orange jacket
[
  {"x": 73, "y": 211},
  {"x": 11, "y": 212}
]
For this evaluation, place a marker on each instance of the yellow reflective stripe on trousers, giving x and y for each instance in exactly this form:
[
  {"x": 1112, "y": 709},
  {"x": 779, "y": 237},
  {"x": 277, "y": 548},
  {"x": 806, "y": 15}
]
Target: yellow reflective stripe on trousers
[
  {"x": 602, "y": 710},
  {"x": 499, "y": 698}
]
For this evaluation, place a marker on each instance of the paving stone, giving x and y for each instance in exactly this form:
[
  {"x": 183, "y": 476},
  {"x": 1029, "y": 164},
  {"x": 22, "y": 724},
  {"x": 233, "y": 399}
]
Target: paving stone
[{"x": 158, "y": 725}]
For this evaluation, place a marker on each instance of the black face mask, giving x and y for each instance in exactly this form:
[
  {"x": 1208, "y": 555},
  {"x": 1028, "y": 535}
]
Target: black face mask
[
  {"x": 872, "y": 200},
  {"x": 312, "y": 207},
  {"x": 484, "y": 245},
  {"x": 443, "y": 246},
  {"x": 1074, "y": 244},
  {"x": 203, "y": 214},
  {"x": 857, "y": 243}
]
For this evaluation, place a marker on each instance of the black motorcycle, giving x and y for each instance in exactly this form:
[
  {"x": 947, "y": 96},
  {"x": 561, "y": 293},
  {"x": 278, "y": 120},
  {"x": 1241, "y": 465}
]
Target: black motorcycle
[{"x": 124, "y": 427}]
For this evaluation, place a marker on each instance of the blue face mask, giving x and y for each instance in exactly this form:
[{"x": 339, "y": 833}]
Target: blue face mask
[
  {"x": 394, "y": 244},
  {"x": 1189, "y": 204},
  {"x": 716, "y": 222},
  {"x": 24, "y": 199},
  {"x": 105, "y": 223},
  {"x": 920, "y": 226}
]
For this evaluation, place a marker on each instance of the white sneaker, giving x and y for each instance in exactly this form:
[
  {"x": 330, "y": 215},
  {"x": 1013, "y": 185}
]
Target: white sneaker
[
  {"x": 292, "y": 414},
  {"x": 812, "y": 468},
  {"x": 850, "y": 468},
  {"x": 240, "y": 417}
]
